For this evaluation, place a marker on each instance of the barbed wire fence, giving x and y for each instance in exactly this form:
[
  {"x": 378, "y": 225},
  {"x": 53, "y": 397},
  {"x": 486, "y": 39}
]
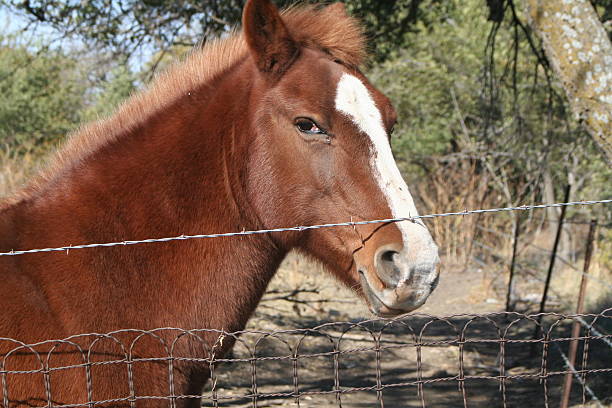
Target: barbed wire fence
[
  {"x": 379, "y": 362},
  {"x": 513, "y": 263},
  {"x": 303, "y": 227}
]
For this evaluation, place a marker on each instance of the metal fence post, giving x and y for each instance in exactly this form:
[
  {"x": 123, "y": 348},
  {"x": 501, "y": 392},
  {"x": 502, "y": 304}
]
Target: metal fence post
[
  {"x": 517, "y": 228},
  {"x": 551, "y": 266},
  {"x": 567, "y": 384}
]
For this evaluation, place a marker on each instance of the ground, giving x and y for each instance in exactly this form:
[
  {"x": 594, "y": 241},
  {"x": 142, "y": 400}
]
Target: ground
[{"x": 421, "y": 362}]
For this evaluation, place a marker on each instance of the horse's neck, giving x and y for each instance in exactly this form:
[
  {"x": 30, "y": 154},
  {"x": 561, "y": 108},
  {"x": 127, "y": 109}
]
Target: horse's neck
[{"x": 169, "y": 177}]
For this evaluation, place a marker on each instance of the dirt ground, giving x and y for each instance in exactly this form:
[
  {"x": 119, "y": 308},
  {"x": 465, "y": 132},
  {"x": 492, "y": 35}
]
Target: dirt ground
[{"x": 419, "y": 362}]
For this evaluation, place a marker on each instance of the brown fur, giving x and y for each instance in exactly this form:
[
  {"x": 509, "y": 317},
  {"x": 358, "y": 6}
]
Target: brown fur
[
  {"x": 327, "y": 29},
  {"x": 211, "y": 146}
]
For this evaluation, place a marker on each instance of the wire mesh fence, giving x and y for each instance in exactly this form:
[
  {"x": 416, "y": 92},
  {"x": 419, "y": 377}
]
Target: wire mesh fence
[
  {"x": 476, "y": 360},
  {"x": 461, "y": 360}
]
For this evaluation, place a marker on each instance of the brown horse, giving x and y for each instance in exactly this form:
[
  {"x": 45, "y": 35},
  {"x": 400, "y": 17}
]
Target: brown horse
[{"x": 274, "y": 126}]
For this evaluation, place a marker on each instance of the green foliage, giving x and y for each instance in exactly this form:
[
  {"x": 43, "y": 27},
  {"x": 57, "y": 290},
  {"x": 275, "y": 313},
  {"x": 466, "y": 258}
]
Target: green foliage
[
  {"x": 42, "y": 96},
  {"x": 459, "y": 95},
  {"x": 456, "y": 102},
  {"x": 437, "y": 66},
  {"x": 393, "y": 24},
  {"x": 117, "y": 87},
  {"x": 45, "y": 95}
]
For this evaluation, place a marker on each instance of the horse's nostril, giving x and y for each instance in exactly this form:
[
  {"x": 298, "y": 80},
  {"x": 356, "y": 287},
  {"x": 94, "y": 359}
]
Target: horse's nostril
[
  {"x": 387, "y": 268},
  {"x": 388, "y": 256}
]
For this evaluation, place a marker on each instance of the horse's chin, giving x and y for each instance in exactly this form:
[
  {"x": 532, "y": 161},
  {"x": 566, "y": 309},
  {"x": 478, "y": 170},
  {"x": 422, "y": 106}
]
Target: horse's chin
[{"x": 380, "y": 305}]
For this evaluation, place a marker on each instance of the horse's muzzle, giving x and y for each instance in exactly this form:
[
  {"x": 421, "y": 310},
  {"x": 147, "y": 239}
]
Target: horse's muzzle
[{"x": 406, "y": 282}]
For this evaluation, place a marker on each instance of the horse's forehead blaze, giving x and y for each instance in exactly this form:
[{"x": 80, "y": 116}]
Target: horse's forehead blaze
[{"x": 355, "y": 101}]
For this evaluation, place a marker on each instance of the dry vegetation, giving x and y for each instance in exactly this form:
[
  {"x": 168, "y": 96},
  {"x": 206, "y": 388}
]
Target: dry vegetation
[
  {"x": 14, "y": 170},
  {"x": 475, "y": 251},
  {"x": 478, "y": 242}
]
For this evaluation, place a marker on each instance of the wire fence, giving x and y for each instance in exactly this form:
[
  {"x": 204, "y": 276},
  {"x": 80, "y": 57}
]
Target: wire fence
[
  {"x": 571, "y": 267},
  {"x": 586, "y": 277},
  {"x": 476, "y": 360},
  {"x": 302, "y": 228},
  {"x": 461, "y": 360}
]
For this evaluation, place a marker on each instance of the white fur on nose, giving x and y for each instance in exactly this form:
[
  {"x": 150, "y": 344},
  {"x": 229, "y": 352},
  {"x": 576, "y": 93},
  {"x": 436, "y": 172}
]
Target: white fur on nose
[{"x": 354, "y": 100}]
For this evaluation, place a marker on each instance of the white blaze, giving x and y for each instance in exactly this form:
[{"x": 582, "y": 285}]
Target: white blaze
[{"x": 354, "y": 100}]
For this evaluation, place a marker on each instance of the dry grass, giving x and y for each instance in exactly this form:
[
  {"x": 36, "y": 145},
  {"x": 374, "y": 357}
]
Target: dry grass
[
  {"x": 455, "y": 187},
  {"x": 485, "y": 242},
  {"x": 15, "y": 170},
  {"x": 448, "y": 187}
]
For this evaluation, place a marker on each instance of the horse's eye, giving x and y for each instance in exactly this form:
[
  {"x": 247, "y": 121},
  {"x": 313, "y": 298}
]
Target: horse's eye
[{"x": 308, "y": 126}]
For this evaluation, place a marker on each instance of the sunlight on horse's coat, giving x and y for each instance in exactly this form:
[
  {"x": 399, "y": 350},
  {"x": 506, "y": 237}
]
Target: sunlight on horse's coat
[
  {"x": 216, "y": 144},
  {"x": 354, "y": 100}
]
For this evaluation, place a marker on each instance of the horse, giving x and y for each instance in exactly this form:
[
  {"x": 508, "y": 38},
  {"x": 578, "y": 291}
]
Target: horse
[{"x": 274, "y": 125}]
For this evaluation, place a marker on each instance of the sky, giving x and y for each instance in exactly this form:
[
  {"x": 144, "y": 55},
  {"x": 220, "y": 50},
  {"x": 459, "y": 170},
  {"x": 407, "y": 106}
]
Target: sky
[
  {"x": 8, "y": 21},
  {"x": 11, "y": 23}
]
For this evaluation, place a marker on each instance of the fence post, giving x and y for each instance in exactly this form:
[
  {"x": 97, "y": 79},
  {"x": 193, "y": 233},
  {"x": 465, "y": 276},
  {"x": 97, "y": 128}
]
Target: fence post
[
  {"x": 551, "y": 266},
  {"x": 567, "y": 384},
  {"x": 517, "y": 228}
]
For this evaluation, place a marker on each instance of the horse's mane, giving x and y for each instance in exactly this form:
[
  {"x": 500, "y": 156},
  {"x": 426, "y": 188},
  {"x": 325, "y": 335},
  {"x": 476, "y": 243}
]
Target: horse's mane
[{"x": 329, "y": 29}]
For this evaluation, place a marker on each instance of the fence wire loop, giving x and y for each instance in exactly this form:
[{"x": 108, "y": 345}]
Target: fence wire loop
[
  {"x": 335, "y": 364},
  {"x": 340, "y": 364}
]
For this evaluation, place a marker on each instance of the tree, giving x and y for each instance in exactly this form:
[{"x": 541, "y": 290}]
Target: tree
[
  {"x": 126, "y": 26},
  {"x": 120, "y": 83},
  {"x": 579, "y": 50},
  {"x": 45, "y": 95},
  {"x": 493, "y": 111},
  {"x": 42, "y": 96},
  {"x": 466, "y": 76}
]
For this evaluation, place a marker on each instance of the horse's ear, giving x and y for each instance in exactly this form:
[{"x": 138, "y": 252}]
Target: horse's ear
[{"x": 267, "y": 36}]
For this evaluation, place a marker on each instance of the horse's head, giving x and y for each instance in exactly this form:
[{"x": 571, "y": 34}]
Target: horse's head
[{"x": 321, "y": 154}]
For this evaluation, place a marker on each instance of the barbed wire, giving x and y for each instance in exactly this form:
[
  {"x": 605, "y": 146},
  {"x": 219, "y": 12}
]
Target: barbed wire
[
  {"x": 577, "y": 376},
  {"x": 301, "y": 228},
  {"x": 416, "y": 341},
  {"x": 592, "y": 328}
]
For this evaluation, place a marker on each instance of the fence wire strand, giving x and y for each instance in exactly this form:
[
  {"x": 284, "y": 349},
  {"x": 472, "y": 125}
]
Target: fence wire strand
[
  {"x": 577, "y": 376},
  {"x": 337, "y": 364},
  {"x": 302, "y": 228}
]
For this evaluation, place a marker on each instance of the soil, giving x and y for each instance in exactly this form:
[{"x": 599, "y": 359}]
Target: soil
[{"x": 421, "y": 361}]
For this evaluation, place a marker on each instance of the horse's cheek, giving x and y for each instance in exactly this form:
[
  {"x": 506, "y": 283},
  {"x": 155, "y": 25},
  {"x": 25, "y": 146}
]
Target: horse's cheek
[{"x": 324, "y": 168}]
